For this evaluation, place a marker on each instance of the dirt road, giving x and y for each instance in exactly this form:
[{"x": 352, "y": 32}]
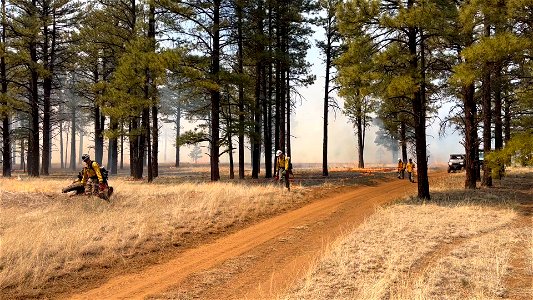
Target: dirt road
[{"x": 260, "y": 261}]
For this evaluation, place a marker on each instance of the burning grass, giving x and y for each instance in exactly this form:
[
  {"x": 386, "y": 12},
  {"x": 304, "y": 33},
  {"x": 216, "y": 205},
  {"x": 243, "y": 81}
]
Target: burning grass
[
  {"x": 456, "y": 246},
  {"x": 44, "y": 236}
]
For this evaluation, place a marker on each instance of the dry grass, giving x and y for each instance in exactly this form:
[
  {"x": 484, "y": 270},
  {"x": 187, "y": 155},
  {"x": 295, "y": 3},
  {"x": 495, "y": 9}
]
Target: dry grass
[
  {"x": 457, "y": 246},
  {"x": 44, "y": 236},
  {"x": 475, "y": 269}
]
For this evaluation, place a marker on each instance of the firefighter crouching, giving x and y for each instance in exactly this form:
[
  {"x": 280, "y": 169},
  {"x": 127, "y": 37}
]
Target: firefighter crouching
[{"x": 92, "y": 178}]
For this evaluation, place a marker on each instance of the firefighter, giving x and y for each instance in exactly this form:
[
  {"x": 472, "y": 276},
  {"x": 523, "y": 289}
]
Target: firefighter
[
  {"x": 92, "y": 177},
  {"x": 401, "y": 169},
  {"x": 410, "y": 167},
  {"x": 282, "y": 164}
]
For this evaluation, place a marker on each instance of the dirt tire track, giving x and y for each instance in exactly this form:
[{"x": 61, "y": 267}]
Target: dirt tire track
[
  {"x": 277, "y": 267},
  {"x": 520, "y": 280},
  {"x": 428, "y": 261}
]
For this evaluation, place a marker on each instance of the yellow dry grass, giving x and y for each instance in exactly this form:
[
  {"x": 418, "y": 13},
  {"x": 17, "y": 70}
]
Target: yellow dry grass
[
  {"x": 45, "y": 235},
  {"x": 458, "y": 246}
]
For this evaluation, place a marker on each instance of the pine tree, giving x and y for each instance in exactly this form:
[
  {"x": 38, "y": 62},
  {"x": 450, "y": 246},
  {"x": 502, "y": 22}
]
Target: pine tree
[
  {"x": 330, "y": 48},
  {"x": 357, "y": 89},
  {"x": 491, "y": 47},
  {"x": 4, "y": 110},
  {"x": 403, "y": 43},
  {"x": 196, "y": 153}
]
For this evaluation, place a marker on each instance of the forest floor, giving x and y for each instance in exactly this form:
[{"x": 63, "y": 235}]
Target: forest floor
[{"x": 182, "y": 237}]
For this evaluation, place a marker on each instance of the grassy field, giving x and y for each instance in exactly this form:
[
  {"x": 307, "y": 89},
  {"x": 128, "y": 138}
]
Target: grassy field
[
  {"x": 44, "y": 236},
  {"x": 49, "y": 240},
  {"x": 460, "y": 245}
]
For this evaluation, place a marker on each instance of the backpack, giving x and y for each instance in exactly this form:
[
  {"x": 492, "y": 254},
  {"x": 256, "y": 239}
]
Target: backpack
[
  {"x": 103, "y": 171},
  {"x": 105, "y": 174},
  {"x": 290, "y": 165}
]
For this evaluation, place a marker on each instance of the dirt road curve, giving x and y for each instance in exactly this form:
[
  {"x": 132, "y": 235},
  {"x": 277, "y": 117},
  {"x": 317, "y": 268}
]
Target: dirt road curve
[{"x": 277, "y": 252}]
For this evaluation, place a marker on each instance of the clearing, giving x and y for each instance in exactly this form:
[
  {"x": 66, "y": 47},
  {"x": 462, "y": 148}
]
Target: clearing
[
  {"x": 343, "y": 239},
  {"x": 259, "y": 261}
]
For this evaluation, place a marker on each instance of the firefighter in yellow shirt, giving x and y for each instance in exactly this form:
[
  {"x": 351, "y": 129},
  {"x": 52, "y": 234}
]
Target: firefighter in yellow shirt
[
  {"x": 91, "y": 176},
  {"x": 282, "y": 163},
  {"x": 283, "y": 168},
  {"x": 410, "y": 167},
  {"x": 401, "y": 169}
]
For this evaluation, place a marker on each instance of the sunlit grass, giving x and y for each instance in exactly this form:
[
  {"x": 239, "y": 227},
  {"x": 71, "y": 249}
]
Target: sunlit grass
[
  {"x": 45, "y": 235},
  {"x": 456, "y": 246}
]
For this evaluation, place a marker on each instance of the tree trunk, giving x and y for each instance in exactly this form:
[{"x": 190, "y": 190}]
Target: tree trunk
[
  {"x": 215, "y": 94},
  {"x": 240, "y": 63},
  {"x": 487, "y": 117},
  {"x": 269, "y": 144},
  {"x": 145, "y": 147},
  {"x": 6, "y": 134},
  {"x": 178, "y": 130},
  {"x": 259, "y": 97},
  {"x": 49, "y": 61},
  {"x": 469, "y": 104},
  {"x": 256, "y": 146},
  {"x": 487, "y": 114},
  {"x": 507, "y": 119},
  {"x": 99, "y": 121},
  {"x": 230, "y": 142},
  {"x": 136, "y": 151},
  {"x": 80, "y": 148},
  {"x": 33, "y": 143},
  {"x": 113, "y": 148},
  {"x": 122, "y": 150},
  {"x": 419, "y": 110},
  {"x": 278, "y": 92},
  {"x": 109, "y": 146},
  {"x": 22, "y": 155},
  {"x": 61, "y": 149},
  {"x": 6, "y": 148},
  {"x": 498, "y": 123},
  {"x": 288, "y": 132},
  {"x": 67, "y": 129},
  {"x": 47, "y": 89},
  {"x": 282, "y": 91},
  {"x": 73, "y": 161},
  {"x": 155, "y": 141},
  {"x": 403, "y": 140},
  {"x": 13, "y": 155},
  {"x": 154, "y": 162},
  {"x": 146, "y": 128},
  {"x": 360, "y": 138},
  {"x": 326, "y": 109},
  {"x": 267, "y": 121}
]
